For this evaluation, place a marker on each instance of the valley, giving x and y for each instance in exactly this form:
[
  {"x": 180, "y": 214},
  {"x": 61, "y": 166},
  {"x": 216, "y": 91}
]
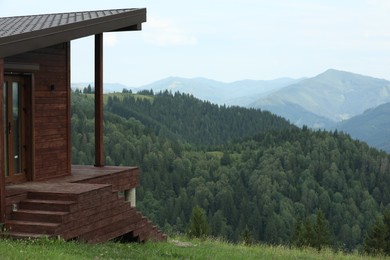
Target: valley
[{"x": 248, "y": 169}]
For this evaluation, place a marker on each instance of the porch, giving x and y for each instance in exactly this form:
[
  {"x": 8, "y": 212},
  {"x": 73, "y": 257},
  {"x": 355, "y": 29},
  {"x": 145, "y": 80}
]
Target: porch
[{"x": 94, "y": 204}]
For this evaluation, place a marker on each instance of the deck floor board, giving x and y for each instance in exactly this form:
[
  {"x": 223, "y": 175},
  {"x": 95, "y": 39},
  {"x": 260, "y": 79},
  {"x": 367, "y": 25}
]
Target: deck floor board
[{"x": 82, "y": 179}]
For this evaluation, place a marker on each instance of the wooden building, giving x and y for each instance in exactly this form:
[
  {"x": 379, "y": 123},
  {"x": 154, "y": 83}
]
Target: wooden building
[{"x": 41, "y": 193}]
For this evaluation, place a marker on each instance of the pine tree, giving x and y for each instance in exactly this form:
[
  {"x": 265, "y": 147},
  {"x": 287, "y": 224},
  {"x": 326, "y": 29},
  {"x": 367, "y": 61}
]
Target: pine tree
[
  {"x": 316, "y": 235},
  {"x": 386, "y": 221},
  {"x": 374, "y": 242},
  {"x": 247, "y": 237},
  {"x": 377, "y": 240},
  {"x": 198, "y": 227},
  {"x": 321, "y": 231},
  {"x": 300, "y": 237},
  {"x": 225, "y": 159}
]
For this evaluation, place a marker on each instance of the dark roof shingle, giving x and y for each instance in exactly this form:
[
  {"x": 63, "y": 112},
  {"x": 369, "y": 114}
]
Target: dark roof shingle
[{"x": 24, "y": 33}]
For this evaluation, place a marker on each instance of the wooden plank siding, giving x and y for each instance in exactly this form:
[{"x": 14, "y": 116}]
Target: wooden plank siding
[
  {"x": 2, "y": 170},
  {"x": 51, "y": 111}
]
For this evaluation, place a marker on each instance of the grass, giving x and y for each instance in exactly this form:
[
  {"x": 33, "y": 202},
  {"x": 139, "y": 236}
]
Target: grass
[
  {"x": 122, "y": 95},
  {"x": 175, "y": 248}
]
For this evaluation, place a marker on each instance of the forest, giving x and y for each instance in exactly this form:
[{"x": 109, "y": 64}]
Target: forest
[{"x": 254, "y": 174}]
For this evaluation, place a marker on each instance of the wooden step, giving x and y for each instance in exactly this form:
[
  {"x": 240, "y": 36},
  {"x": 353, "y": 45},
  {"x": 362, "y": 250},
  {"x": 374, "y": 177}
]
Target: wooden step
[
  {"x": 39, "y": 215},
  {"x": 81, "y": 192},
  {"x": 145, "y": 230},
  {"x": 143, "y": 233},
  {"x": 51, "y": 196},
  {"x": 95, "y": 222},
  {"x": 92, "y": 213},
  {"x": 95, "y": 211},
  {"x": 31, "y": 227},
  {"x": 47, "y": 205},
  {"x": 99, "y": 199},
  {"x": 140, "y": 225}
]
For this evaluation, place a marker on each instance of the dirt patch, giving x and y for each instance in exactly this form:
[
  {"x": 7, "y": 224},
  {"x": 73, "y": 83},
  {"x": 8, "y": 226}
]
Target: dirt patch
[{"x": 182, "y": 244}]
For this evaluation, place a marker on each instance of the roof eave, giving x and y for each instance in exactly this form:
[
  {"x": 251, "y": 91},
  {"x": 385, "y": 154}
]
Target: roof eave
[{"x": 130, "y": 21}]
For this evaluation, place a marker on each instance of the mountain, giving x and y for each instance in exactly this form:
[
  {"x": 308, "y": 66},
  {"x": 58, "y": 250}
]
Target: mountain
[
  {"x": 373, "y": 127},
  {"x": 330, "y": 97},
  {"x": 299, "y": 116},
  {"x": 240, "y": 93}
]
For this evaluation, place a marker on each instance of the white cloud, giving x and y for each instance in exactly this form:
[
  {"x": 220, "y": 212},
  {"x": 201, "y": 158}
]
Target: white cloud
[{"x": 165, "y": 32}]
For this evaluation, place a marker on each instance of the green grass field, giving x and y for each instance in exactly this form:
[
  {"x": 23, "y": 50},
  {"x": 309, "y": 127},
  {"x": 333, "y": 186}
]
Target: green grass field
[
  {"x": 122, "y": 95},
  {"x": 175, "y": 248}
]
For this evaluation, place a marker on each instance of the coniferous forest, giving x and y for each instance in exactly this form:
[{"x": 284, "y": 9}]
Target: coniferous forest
[{"x": 255, "y": 176}]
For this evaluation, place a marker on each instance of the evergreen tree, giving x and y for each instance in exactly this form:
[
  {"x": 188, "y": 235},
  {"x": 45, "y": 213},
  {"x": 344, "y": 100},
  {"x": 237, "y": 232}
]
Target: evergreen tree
[
  {"x": 316, "y": 235},
  {"x": 198, "y": 226},
  {"x": 247, "y": 237},
  {"x": 386, "y": 221},
  {"x": 377, "y": 240},
  {"x": 321, "y": 231},
  {"x": 225, "y": 159},
  {"x": 304, "y": 234},
  {"x": 88, "y": 90},
  {"x": 299, "y": 237}
]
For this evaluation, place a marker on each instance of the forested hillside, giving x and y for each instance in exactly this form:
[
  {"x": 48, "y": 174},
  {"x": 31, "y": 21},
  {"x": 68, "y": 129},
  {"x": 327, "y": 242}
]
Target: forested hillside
[
  {"x": 186, "y": 118},
  {"x": 372, "y": 126},
  {"x": 262, "y": 179}
]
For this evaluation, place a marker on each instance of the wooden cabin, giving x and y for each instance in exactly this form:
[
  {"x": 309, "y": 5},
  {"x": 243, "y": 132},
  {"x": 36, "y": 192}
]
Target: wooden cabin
[{"x": 41, "y": 193}]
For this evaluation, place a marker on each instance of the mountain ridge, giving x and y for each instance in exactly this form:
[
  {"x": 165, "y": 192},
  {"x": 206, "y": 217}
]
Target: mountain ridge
[
  {"x": 335, "y": 95},
  {"x": 373, "y": 126},
  {"x": 221, "y": 93}
]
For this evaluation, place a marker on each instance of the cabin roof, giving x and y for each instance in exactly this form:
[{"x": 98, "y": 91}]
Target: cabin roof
[{"x": 20, "y": 34}]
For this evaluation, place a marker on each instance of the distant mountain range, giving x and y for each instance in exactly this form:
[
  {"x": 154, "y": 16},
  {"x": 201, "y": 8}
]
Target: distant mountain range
[
  {"x": 330, "y": 100},
  {"x": 239, "y": 93}
]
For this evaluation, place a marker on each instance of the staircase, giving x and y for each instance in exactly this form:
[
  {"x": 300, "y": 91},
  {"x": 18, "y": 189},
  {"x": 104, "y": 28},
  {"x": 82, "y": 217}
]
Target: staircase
[{"x": 92, "y": 213}]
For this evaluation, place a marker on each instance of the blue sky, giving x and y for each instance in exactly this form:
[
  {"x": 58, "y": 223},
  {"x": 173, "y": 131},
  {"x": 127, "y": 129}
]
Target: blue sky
[{"x": 232, "y": 40}]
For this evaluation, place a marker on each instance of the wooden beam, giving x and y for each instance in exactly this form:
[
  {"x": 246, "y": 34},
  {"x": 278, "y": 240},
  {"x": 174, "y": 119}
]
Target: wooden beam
[
  {"x": 68, "y": 111},
  {"x": 99, "y": 151},
  {"x": 22, "y": 67},
  {"x": 2, "y": 173}
]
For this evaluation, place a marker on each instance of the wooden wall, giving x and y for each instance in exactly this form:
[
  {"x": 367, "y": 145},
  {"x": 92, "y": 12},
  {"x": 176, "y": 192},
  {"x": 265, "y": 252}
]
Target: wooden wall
[
  {"x": 2, "y": 173},
  {"x": 50, "y": 100}
]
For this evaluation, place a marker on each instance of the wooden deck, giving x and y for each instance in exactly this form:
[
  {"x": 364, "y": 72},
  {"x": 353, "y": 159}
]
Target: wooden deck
[
  {"x": 84, "y": 206},
  {"x": 122, "y": 178}
]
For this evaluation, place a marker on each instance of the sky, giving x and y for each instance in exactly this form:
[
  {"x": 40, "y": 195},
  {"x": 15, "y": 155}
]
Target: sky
[{"x": 231, "y": 40}]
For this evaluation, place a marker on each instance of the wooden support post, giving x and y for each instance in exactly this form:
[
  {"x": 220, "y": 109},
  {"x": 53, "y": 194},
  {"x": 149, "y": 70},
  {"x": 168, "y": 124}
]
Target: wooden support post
[
  {"x": 133, "y": 200},
  {"x": 130, "y": 196},
  {"x": 99, "y": 151},
  {"x": 2, "y": 173},
  {"x": 68, "y": 112}
]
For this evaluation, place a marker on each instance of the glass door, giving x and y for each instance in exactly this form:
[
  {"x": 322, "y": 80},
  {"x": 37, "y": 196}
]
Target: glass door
[{"x": 13, "y": 129}]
